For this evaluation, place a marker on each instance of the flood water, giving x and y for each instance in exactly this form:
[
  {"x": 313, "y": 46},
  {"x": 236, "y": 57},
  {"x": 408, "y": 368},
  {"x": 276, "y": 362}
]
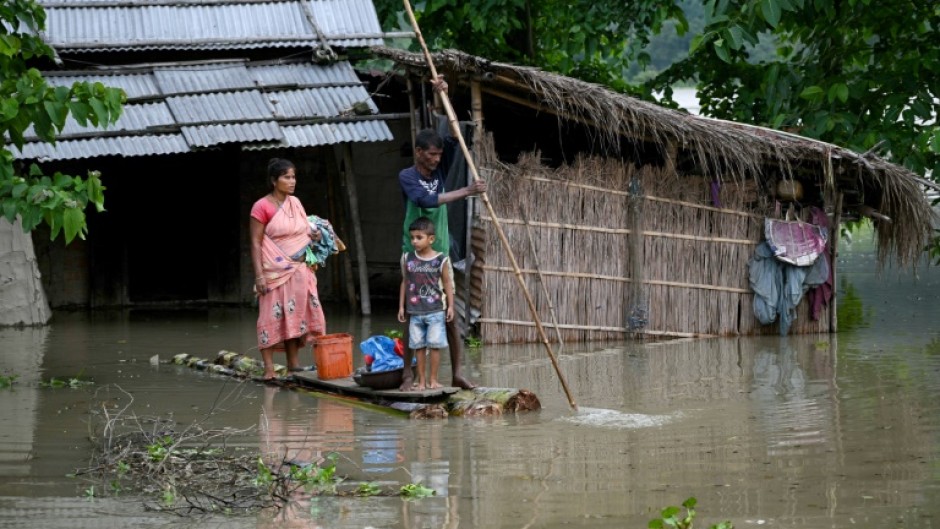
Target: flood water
[{"x": 807, "y": 432}]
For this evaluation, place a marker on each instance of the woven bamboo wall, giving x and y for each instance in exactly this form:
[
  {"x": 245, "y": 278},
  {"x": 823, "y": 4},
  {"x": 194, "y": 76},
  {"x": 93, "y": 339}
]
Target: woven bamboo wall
[{"x": 692, "y": 258}]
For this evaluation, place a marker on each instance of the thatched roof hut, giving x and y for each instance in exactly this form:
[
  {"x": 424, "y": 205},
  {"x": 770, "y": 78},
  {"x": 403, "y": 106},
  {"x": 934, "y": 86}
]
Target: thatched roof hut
[{"x": 572, "y": 159}]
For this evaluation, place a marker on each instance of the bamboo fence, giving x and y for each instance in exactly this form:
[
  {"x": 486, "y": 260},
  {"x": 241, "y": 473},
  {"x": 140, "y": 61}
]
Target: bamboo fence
[{"x": 691, "y": 276}]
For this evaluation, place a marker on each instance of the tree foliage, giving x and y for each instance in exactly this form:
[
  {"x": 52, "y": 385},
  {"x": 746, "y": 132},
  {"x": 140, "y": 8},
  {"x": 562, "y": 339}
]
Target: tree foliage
[
  {"x": 592, "y": 40},
  {"x": 30, "y": 106},
  {"x": 859, "y": 73}
]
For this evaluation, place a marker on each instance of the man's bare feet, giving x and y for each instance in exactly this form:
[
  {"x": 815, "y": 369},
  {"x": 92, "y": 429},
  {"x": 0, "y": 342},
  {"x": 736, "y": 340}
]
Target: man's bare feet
[
  {"x": 462, "y": 383},
  {"x": 407, "y": 383}
]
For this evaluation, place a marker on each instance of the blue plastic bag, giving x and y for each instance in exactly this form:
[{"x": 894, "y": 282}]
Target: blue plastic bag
[{"x": 382, "y": 349}]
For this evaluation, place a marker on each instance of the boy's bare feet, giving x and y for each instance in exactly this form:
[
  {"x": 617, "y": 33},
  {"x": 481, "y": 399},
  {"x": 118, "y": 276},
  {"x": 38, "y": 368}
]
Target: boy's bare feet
[{"x": 435, "y": 385}]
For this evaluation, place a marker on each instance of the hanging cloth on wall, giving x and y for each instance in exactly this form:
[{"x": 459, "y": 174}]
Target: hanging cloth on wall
[{"x": 794, "y": 241}]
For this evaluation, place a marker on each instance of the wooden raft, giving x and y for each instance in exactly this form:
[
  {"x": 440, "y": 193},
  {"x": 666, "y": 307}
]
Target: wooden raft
[
  {"x": 348, "y": 386},
  {"x": 427, "y": 404}
]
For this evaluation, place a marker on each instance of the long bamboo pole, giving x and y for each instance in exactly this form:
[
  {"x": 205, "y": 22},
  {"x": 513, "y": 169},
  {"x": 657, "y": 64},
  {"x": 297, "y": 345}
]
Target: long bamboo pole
[{"x": 455, "y": 128}]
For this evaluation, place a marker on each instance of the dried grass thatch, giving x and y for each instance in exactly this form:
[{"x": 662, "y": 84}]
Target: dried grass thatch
[{"x": 731, "y": 152}]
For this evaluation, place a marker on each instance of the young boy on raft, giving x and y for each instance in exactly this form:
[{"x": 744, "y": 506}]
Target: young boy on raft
[{"x": 426, "y": 296}]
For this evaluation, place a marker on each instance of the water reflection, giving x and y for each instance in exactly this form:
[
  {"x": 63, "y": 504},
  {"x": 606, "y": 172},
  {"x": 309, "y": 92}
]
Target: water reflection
[
  {"x": 289, "y": 437},
  {"x": 759, "y": 425},
  {"x": 795, "y": 414},
  {"x": 429, "y": 466},
  {"x": 805, "y": 431},
  {"x": 22, "y": 356}
]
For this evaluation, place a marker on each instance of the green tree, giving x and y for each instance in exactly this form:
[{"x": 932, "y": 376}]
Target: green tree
[
  {"x": 859, "y": 73},
  {"x": 593, "y": 40},
  {"x": 29, "y": 103}
]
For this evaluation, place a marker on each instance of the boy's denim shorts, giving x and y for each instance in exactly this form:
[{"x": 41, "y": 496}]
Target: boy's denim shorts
[{"x": 427, "y": 331}]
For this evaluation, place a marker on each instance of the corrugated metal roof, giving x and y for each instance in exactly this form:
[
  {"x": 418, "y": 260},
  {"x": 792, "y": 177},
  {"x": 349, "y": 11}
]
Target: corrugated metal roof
[
  {"x": 316, "y": 102},
  {"x": 96, "y": 25},
  {"x": 327, "y": 134},
  {"x": 220, "y": 107},
  {"x": 134, "y": 84},
  {"x": 125, "y": 146},
  {"x": 282, "y": 74},
  {"x": 135, "y": 118},
  {"x": 209, "y": 135},
  {"x": 332, "y": 133},
  {"x": 182, "y": 107},
  {"x": 199, "y": 78}
]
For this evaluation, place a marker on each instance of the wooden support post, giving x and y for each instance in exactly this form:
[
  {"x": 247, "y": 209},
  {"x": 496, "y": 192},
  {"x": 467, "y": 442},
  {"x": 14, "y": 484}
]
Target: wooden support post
[
  {"x": 476, "y": 110},
  {"x": 672, "y": 157},
  {"x": 338, "y": 218},
  {"x": 836, "y": 231},
  {"x": 438, "y": 102},
  {"x": 349, "y": 178},
  {"x": 476, "y": 105},
  {"x": 411, "y": 112}
]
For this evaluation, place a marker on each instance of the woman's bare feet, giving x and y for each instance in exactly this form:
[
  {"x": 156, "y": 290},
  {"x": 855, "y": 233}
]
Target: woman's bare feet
[{"x": 268, "y": 375}]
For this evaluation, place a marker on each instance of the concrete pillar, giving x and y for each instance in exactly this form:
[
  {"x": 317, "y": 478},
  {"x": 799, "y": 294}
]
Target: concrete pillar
[{"x": 22, "y": 299}]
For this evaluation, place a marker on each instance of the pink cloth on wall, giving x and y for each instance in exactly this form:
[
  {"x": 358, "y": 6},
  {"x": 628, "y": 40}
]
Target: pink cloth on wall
[
  {"x": 820, "y": 296},
  {"x": 291, "y": 306}
]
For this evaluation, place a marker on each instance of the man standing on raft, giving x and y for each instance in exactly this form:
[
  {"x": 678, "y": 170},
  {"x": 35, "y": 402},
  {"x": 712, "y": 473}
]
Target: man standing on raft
[{"x": 422, "y": 187}]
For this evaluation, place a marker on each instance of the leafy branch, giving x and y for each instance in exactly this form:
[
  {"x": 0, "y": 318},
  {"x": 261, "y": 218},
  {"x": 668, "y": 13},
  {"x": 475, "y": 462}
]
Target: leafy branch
[{"x": 32, "y": 108}]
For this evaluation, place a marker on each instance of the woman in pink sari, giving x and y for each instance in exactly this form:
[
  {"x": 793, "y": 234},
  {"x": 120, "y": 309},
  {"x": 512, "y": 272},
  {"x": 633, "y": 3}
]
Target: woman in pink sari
[{"x": 289, "y": 312}]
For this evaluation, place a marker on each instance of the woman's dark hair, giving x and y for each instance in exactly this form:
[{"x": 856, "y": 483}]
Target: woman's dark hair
[{"x": 276, "y": 168}]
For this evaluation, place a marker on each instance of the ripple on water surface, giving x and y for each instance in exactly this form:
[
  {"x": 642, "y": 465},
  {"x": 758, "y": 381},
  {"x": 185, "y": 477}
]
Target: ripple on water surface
[{"x": 616, "y": 419}]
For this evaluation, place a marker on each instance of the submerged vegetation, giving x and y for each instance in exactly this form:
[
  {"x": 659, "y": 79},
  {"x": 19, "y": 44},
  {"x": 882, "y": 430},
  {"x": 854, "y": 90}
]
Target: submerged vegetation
[
  {"x": 194, "y": 469},
  {"x": 414, "y": 491},
  {"x": 672, "y": 517},
  {"x": 69, "y": 382},
  {"x": 7, "y": 381}
]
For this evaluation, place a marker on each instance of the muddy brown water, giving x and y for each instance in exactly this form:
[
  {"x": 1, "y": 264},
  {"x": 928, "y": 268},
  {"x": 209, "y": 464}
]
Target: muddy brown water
[{"x": 809, "y": 432}]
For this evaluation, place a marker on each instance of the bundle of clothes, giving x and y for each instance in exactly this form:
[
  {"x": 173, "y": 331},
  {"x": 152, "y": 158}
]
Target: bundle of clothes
[{"x": 315, "y": 253}]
